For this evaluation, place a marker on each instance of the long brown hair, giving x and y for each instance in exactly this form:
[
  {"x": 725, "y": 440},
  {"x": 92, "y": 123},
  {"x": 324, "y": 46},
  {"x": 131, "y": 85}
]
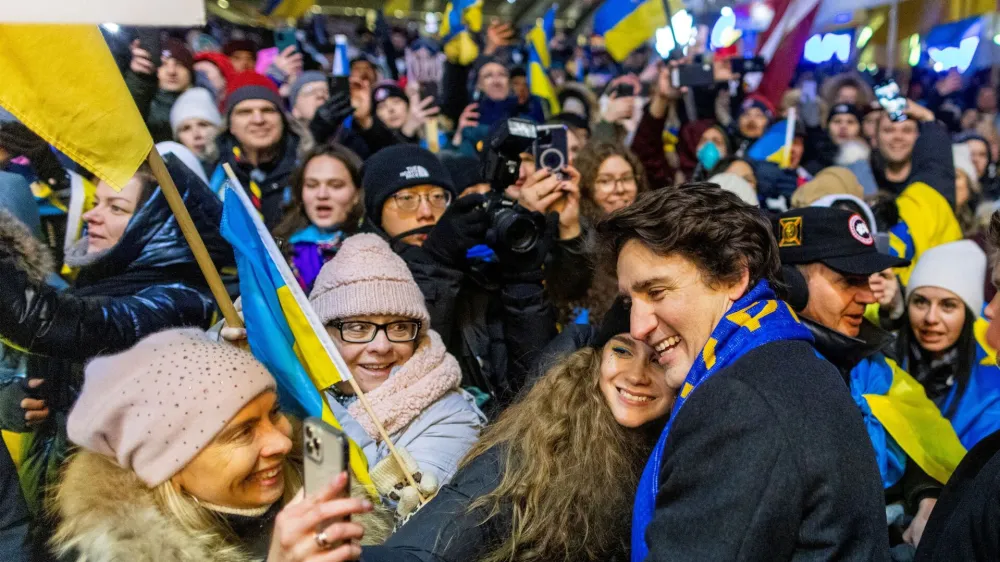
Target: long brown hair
[
  {"x": 589, "y": 161},
  {"x": 295, "y": 218},
  {"x": 569, "y": 469}
]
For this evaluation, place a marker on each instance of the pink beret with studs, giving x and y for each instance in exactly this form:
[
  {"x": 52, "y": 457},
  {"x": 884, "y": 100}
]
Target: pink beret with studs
[{"x": 154, "y": 407}]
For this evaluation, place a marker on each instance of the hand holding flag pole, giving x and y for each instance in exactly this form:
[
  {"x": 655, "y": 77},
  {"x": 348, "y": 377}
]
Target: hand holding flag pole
[{"x": 338, "y": 363}]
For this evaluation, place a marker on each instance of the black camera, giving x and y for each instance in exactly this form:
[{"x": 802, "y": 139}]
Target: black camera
[{"x": 511, "y": 226}]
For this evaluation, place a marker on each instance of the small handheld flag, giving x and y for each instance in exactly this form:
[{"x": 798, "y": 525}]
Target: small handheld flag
[
  {"x": 539, "y": 60},
  {"x": 462, "y": 18}
]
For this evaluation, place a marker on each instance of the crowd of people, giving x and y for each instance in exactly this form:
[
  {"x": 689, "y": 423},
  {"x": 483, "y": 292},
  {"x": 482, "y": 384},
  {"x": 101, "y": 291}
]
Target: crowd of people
[{"x": 702, "y": 353}]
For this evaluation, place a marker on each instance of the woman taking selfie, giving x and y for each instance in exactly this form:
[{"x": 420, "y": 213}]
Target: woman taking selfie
[
  {"x": 209, "y": 480},
  {"x": 136, "y": 276},
  {"x": 554, "y": 478},
  {"x": 375, "y": 314},
  {"x": 326, "y": 208},
  {"x": 942, "y": 341}
]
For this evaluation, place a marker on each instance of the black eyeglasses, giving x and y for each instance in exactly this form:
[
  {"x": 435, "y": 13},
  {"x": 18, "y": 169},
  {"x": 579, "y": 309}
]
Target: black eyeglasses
[{"x": 357, "y": 331}]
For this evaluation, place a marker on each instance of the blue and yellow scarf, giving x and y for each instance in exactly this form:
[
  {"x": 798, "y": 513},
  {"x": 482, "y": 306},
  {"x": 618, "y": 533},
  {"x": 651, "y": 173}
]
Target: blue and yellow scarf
[{"x": 757, "y": 319}]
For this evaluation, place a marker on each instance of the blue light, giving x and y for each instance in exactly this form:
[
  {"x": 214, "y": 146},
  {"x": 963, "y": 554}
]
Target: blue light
[
  {"x": 724, "y": 32},
  {"x": 824, "y": 47},
  {"x": 955, "y": 57}
]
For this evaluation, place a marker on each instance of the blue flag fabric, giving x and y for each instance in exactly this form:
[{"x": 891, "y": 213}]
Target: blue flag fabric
[
  {"x": 756, "y": 319},
  {"x": 627, "y": 24},
  {"x": 977, "y": 413}
]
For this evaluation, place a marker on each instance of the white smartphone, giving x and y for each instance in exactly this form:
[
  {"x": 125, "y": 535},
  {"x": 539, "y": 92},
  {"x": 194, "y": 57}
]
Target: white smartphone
[{"x": 325, "y": 453}]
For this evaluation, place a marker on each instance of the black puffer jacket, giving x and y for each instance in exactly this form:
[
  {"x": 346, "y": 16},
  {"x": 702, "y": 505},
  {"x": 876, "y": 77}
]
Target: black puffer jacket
[{"x": 148, "y": 282}]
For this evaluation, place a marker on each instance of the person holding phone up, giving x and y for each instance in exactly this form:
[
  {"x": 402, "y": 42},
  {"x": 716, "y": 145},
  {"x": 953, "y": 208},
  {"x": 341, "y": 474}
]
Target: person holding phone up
[
  {"x": 184, "y": 455},
  {"x": 156, "y": 80}
]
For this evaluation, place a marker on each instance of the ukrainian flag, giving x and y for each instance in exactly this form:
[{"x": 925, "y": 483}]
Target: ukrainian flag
[
  {"x": 771, "y": 146},
  {"x": 462, "y": 18},
  {"x": 287, "y": 8},
  {"x": 539, "y": 60},
  {"x": 626, "y": 24},
  {"x": 284, "y": 332}
]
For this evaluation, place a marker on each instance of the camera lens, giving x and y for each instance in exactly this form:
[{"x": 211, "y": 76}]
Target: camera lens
[{"x": 516, "y": 231}]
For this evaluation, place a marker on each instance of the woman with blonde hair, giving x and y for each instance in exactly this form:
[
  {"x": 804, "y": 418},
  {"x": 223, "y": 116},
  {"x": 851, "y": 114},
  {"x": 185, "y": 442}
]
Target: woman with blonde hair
[
  {"x": 184, "y": 455},
  {"x": 554, "y": 478}
]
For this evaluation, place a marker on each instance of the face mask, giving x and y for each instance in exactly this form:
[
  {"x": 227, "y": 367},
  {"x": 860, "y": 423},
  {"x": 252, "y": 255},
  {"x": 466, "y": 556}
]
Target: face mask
[{"x": 709, "y": 155}]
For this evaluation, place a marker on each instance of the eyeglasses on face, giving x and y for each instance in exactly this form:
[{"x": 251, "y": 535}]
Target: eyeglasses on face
[
  {"x": 408, "y": 201},
  {"x": 611, "y": 183},
  {"x": 357, "y": 331}
]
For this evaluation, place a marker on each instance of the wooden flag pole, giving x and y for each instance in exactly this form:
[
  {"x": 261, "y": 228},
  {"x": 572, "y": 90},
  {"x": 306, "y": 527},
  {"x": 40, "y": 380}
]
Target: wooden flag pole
[
  {"x": 194, "y": 240},
  {"x": 358, "y": 392}
]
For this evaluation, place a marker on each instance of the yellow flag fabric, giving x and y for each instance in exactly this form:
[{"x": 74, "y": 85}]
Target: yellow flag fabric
[
  {"x": 62, "y": 82},
  {"x": 917, "y": 425},
  {"x": 928, "y": 221}
]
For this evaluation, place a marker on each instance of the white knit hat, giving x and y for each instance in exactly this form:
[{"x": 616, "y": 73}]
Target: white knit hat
[
  {"x": 735, "y": 184},
  {"x": 367, "y": 278},
  {"x": 194, "y": 103},
  {"x": 963, "y": 161},
  {"x": 959, "y": 267}
]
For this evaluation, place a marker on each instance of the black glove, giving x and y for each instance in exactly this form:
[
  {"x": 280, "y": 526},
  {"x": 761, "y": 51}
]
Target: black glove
[
  {"x": 330, "y": 116},
  {"x": 461, "y": 227},
  {"x": 526, "y": 267}
]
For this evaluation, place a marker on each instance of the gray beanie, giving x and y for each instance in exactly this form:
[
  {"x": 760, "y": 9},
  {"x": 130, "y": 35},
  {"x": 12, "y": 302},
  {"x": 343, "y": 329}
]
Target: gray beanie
[{"x": 307, "y": 77}]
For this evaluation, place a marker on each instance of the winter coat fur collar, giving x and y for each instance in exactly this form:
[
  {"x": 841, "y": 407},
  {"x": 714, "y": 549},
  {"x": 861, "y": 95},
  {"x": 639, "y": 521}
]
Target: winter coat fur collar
[{"x": 108, "y": 515}]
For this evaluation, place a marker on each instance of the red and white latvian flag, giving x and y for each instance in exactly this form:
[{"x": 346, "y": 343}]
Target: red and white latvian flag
[{"x": 782, "y": 44}]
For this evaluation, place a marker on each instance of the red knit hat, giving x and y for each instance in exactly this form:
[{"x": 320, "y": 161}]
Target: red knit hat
[
  {"x": 220, "y": 61},
  {"x": 250, "y": 86}
]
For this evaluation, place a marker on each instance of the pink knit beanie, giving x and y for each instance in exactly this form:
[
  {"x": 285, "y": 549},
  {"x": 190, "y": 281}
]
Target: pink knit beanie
[
  {"x": 154, "y": 407},
  {"x": 367, "y": 278}
]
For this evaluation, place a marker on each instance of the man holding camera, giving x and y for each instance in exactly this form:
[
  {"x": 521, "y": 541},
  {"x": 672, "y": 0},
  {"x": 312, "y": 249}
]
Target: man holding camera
[{"x": 478, "y": 261}]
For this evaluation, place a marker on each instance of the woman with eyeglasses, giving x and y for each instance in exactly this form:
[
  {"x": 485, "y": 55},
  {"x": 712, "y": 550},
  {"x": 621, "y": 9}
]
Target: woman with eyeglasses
[
  {"x": 611, "y": 177},
  {"x": 375, "y": 314}
]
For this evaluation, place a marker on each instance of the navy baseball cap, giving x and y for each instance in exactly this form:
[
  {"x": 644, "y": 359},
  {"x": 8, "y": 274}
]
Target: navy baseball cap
[{"x": 837, "y": 238}]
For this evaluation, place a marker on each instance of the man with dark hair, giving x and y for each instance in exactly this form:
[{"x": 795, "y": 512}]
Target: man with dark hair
[
  {"x": 965, "y": 524},
  {"x": 764, "y": 456}
]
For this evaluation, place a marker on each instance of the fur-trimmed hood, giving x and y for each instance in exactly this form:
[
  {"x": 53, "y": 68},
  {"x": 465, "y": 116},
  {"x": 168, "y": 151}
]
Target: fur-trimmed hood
[
  {"x": 107, "y": 514},
  {"x": 30, "y": 255}
]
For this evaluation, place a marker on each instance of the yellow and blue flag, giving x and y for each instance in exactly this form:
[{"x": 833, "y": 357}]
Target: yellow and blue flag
[
  {"x": 770, "y": 147},
  {"x": 462, "y": 18},
  {"x": 284, "y": 332},
  {"x": 539, "y": 60},
  {"x": 627, "y": 24},
  {"x": 286, "y": 8},
  {"x": 78, "y": 104}
]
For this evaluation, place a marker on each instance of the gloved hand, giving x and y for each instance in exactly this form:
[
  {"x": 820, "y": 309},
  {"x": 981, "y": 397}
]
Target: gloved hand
[
  {"x": 330, "y": 116},
  {"x": 390, "y": 481},
  {"x": 526, "y": 267},
  {"x": 461, "y": 227}
]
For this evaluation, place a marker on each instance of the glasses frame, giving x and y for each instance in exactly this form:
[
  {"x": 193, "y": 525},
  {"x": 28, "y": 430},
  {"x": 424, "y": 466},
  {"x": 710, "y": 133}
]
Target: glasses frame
[
  {"x": 422, "y": 197},
  {"x": 339, "y": 325},
  {"x": 615, "y": 182}
]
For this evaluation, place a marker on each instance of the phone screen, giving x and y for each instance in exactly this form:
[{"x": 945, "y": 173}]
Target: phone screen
[{"x": 891, "y": 101}]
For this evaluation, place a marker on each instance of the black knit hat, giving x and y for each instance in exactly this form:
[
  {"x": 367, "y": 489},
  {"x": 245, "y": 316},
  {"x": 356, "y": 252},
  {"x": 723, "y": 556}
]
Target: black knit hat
[
  {"x": 465, "y": 171},
  {"x": 398, "y": 167},
  {"x": 388, "y": 90},
  {"x": 616, "y": 321},
  {"x": 845, "y": 109}
]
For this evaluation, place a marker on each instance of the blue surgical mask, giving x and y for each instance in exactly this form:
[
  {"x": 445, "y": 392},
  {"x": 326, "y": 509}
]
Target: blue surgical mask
[{"x": 709, "y": 155}]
